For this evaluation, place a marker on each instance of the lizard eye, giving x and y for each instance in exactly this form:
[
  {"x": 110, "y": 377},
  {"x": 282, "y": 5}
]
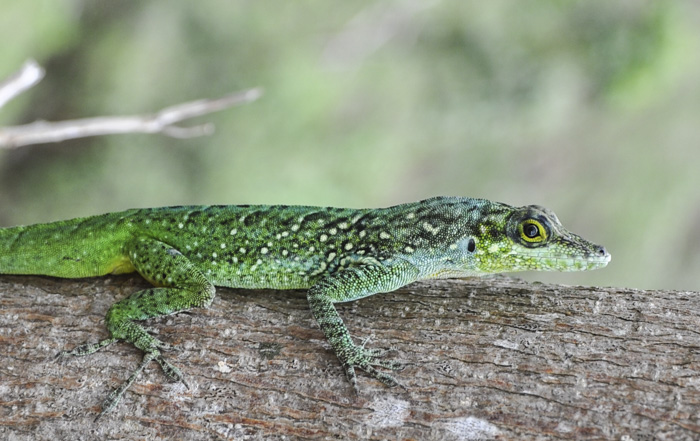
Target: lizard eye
[{"x": 532, "y": 231}]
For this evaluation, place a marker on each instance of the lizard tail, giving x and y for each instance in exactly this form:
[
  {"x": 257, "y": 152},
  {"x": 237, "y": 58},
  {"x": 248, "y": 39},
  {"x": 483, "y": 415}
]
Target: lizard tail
[{"x": 82, "y": 247}]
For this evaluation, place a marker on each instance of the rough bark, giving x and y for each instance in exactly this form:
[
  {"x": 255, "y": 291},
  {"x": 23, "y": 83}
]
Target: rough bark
[{"x": 491, "y": 358}]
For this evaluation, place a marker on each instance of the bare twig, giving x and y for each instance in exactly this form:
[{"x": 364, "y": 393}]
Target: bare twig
[
  {"x": 162, "y": 121},
  {"x": 30, "y": 74},
  {"x": 373, "y": 28}
]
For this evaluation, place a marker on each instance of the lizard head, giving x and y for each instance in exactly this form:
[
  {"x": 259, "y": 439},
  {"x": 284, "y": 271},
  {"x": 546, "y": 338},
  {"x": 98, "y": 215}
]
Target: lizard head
[
  {"x": 532, "y": 238},
  {"x": 462, "y": 237}
]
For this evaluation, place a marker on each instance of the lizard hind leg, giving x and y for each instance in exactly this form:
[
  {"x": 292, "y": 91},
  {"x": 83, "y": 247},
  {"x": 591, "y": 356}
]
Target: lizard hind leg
[{"x": 179, "y": 286}]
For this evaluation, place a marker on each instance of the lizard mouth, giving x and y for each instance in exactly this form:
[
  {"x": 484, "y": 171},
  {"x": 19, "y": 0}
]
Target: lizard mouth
[{"x": 564, "y": 262}]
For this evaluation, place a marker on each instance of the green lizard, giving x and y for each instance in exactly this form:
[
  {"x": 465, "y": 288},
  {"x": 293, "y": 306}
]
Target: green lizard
[{"x": 337, "y": 254}]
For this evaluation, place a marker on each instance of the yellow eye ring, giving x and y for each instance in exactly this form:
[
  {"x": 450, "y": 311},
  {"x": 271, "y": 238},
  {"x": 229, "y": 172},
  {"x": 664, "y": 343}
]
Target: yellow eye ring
[{"x": 532, "y": 231}]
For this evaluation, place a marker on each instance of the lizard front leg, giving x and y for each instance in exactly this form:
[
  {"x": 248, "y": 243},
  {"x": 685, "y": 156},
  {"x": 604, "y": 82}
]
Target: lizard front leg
[
  {"x": 179, "y": 286},
  {"x": 362, "y": 279}
]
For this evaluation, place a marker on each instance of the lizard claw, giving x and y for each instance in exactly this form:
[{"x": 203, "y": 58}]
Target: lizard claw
[
  {"x": 171, "y": 371},
  {"x": 367, "y": 360}
]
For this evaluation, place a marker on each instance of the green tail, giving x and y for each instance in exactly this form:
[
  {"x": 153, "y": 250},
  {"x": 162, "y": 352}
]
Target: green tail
[{"x": 82, "y": 247}]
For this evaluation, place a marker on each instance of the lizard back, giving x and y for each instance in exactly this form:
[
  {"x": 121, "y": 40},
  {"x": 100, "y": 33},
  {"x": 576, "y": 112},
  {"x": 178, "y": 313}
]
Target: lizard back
[{"x": 263, "y": 246}]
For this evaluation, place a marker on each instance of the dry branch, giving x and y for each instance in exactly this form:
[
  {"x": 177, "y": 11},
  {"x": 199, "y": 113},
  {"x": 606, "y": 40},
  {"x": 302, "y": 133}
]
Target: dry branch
[
  {"x": 371, "y": 29},
  {"x": 487, "y": 359},
  {"x": 30, "y": 74},
  {"x": 163, "y": 121}
]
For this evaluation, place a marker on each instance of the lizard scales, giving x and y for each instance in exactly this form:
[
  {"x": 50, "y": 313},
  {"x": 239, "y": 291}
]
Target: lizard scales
[{"x": 338, "y": 254}]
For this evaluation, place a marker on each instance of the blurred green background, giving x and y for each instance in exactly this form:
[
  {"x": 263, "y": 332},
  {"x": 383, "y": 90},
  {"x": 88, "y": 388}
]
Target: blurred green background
[{"x": 591, "y": 108}]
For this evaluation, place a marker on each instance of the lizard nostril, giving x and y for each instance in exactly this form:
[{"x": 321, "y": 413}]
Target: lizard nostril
[{"x": 602, "y": 251}]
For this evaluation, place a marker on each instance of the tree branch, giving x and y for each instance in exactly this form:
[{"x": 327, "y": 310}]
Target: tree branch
[
  {"x": 30, "y": 74},
  {"x": 162, "y": 121},
  {"x": 487, "y": 359}
]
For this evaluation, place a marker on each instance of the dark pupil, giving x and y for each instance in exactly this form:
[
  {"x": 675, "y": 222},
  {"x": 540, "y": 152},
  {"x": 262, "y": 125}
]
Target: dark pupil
[{"x": 531, "y": 231}]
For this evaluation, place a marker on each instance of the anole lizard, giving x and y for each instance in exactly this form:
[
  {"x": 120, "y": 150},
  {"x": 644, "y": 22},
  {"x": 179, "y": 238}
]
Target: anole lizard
[{"x": 336, "y": 254}]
